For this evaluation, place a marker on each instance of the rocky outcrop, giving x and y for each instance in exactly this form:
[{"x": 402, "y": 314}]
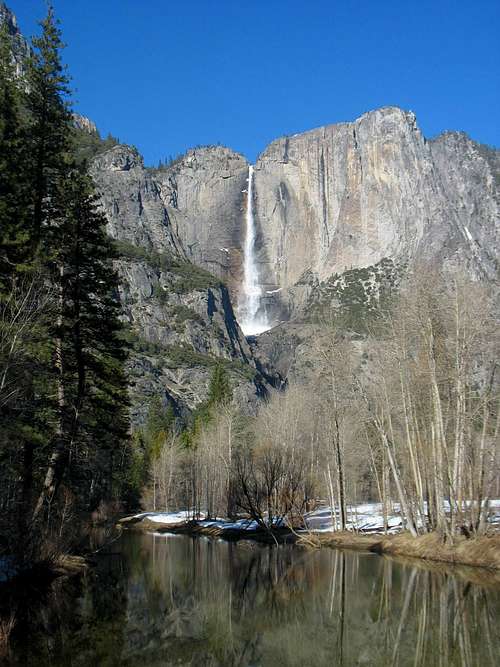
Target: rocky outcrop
[
  {"x": 181, "y": 325},
  {"x": 336, "y": 199},
  {"x": 469, "y": 176},
  {"x": 20, "y": 47},
  {"x": 84, "y": 123},
  {"x": 132, "y": 202},
  {"x": 341, "y": 212}
]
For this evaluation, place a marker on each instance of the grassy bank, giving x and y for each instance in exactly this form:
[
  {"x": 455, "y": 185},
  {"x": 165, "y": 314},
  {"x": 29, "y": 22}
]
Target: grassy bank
[{"x": 474, "y": 551}]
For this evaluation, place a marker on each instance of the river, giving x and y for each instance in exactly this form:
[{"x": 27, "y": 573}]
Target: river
[{"x": 177, "y": 600}]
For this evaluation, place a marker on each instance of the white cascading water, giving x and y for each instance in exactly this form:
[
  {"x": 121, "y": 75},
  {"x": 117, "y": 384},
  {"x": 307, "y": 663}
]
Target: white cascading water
[{"x": 252, "y": 321}]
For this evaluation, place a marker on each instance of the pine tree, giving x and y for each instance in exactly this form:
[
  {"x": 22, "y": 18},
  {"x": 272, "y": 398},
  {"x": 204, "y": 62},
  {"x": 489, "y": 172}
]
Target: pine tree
[
  {"x": 90, "y": 354},
  {"x": 13, "y": 188},
  {"x": 25, "y": 413},
  {"x": 219, "y": 391},
  {"x": 65, "y": 407},
  {"x": 49, "y": 126}
]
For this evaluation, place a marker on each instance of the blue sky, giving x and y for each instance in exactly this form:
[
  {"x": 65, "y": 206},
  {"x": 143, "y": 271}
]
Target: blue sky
[{"x": 169, "y": 74}]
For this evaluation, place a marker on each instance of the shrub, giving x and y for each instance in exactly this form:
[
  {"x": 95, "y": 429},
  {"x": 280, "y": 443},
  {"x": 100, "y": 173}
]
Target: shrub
[{"x": 188, "y": 277}]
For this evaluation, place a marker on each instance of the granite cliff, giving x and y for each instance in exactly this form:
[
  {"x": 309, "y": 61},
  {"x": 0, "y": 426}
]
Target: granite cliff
[
  {"x": 180, "y": 316},
  {"x": 342, "y": 212},
  {"x": 339, "y": 198}
]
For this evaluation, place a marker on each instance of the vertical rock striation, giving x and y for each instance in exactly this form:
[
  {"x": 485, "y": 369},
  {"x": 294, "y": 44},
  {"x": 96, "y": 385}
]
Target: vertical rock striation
[
  {"x": 349, "y": 195},
  {"x": 204, "y": 193}
]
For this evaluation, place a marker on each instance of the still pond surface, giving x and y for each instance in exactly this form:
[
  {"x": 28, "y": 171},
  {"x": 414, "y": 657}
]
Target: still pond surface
[{"x": 188, "y": 601}]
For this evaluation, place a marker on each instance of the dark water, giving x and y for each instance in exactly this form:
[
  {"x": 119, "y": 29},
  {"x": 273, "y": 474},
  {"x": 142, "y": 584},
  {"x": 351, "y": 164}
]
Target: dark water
[{"x": 182, "y": 601}]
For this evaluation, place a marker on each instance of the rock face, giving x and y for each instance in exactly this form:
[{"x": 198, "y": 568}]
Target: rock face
[
  {"x": 180, "y": 316},
  {"x": 132, "y": 201},
  {"x": 339, "y": 198},
  {"x": 84, "y": 123},
  {"x": 204, "y": 193},
  {"x": 349, "y": 195},
  {"x": 341, "y": 212},
  {"x": 470, "y": 181},
  {"x": 20, "y": 47}
]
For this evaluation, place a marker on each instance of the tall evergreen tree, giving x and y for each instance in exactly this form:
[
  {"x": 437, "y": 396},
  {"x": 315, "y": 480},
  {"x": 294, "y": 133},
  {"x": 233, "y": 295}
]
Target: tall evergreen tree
[
  {"x": 89, "y": 351},
  {"x": 13, "y": 187},
  {"x": 49, "y": 127},
  {"x": 74, "y": 389}
]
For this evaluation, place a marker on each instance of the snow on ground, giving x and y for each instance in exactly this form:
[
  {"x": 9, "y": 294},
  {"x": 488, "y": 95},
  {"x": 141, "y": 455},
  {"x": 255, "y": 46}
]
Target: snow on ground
[
  {"x": 242, "y": 524},
  {"x": 368, "y": 517},
  {"x": 172, "y": 518},
  {"x": 167, "y": 517},
  {"x": 365, "y": 518}
]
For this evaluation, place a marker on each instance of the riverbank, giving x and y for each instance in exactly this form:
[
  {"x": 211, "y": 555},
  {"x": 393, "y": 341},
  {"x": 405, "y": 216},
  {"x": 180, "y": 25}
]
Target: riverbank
[
  {"x": 180, "y": 524},
  {"x": 481, "y": 551}
]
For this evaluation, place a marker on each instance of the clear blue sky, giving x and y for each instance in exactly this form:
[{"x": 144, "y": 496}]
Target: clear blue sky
[{"x": 169, "y": 74}]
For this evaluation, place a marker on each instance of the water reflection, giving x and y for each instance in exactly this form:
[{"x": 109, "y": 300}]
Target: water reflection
[{"x": 183, "y": 601}]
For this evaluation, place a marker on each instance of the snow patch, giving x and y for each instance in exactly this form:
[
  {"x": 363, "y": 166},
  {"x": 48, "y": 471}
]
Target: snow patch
[{"x": 365, "y": 517}]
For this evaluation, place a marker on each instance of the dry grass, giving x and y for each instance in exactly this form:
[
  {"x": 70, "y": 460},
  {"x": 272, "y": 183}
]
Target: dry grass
[
  {"x": 6, "y": 628},
  {"x": 475, "y": 551},
  {"x": 480, "y": 576},
  {"x": 341, "y": 540},
  {"x": 69, "y": 565}
]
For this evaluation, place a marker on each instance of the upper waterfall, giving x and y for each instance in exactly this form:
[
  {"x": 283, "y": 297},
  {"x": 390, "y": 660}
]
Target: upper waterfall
[{"x": 253, "y": 319}]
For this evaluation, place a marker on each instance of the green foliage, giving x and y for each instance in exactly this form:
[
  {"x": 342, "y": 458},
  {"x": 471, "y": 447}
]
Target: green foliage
[
  {"x": 141, "y": 345},
  {"x": 147, "y": 443},
  {"x": 135, "y": 474},
  {"x": 176, "y": 356},
  {"x": 126, "y": 250},
  {"x": 219, "y": 393},
  {"x": 357, "y": 296},
  {"x": 159, "y": 418},
  {"x": 187, "y": 277},
  {"x": 87, "y": 145},
  {"x": 220, "y": 389},
  {"x": 183, "y": 314},
  {"x": 179, "y": 356},
  {"x": 190, "y": 277},
  {"x": 64, "y": 401},
  {"x": 14, "y": 177}
]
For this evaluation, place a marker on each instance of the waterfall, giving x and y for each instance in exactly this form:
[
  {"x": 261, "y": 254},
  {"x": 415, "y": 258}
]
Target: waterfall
[{"x": 252, "y": 321}]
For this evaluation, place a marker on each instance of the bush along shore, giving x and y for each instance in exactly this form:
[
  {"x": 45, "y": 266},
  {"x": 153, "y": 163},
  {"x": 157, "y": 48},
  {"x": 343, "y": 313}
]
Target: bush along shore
[{"x": 315, "y": 531}]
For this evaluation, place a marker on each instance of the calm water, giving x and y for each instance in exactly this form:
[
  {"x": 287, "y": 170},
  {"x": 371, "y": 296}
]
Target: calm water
[{"x": 182, "y": 601}]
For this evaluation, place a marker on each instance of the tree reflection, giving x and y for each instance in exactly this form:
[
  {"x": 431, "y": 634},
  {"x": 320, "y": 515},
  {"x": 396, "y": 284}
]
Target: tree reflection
[{"x": 200, "y": 602}]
